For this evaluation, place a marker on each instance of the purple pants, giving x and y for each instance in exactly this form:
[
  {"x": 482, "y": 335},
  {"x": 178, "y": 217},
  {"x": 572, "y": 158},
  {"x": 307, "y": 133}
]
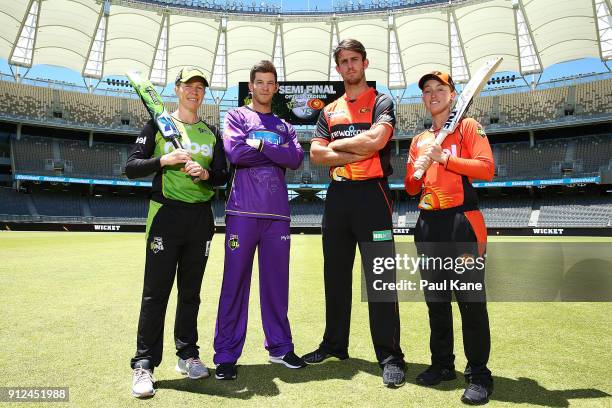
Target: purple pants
[{"x": 273, "y": 240}]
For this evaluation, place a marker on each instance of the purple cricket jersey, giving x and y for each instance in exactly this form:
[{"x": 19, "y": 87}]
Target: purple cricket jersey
[{"x": 258, "y": 188}]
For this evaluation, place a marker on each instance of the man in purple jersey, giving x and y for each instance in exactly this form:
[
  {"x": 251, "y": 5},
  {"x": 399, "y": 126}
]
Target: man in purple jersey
[{"x": 259, "y": 146}]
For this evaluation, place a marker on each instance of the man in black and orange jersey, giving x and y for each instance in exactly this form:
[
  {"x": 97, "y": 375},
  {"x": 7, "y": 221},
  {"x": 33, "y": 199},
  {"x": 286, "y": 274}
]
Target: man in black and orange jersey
[
  {"x": 450, "y": 217},
  {"x": 353, "y": 138}
]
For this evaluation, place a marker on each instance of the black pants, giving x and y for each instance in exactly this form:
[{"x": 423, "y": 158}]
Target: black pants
[
  {"x": 178, "y": 241},
  {"x": 354, "y": 210},
  {"x": 453, "y": 230}
]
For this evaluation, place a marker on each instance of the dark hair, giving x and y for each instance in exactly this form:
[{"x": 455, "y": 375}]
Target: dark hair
[
  {"x": 349, "y": 45},
  {"x": 263, "y": 66}
]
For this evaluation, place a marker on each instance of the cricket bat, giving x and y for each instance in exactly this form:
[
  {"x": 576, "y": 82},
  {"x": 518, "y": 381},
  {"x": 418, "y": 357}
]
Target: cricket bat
[
  {"x": 155, "y": 106},
  {"x": 471, "y": 89}
]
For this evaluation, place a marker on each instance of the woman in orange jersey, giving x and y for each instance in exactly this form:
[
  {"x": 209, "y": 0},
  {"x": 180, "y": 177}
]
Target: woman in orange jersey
[{"x": 450, "y": 224}]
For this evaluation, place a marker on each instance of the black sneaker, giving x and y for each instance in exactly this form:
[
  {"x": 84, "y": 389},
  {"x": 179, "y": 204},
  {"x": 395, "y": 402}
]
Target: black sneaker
[
  {"x": 434, "y": 375},
  {"x": 289, "y": 360},
  {"x": 319, "y": 356},
  {"x": 393, "y": 375},
  {"x": 226, "y": 371},
  {"x": 477, "y": 394}
]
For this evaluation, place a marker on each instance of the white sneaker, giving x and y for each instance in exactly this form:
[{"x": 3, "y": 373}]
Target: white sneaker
[
  {"x": 193, "y": 368},
  {"x": 142, "y": 383}
]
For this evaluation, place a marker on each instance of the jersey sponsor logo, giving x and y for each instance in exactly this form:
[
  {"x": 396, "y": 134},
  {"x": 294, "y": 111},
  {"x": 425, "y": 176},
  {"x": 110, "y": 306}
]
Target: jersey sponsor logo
[
  {"x": 233, "y": 243},
  {"x": 333, "y": 114},
  {"x": 385, "y": 235},
  {"x": 157, "y": 245},
  {"x": 193, "y": 148},
  {"x": 285, "y": 237},
  {"x": 141, "y": 139},
  {"x": 266, "y": 135},
  {"x": 364, "y": 110},
  {"x": 344, "y": 131}
]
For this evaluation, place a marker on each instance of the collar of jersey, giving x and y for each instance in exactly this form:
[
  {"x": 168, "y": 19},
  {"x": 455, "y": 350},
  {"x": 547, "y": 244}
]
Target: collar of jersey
[
  {"x": 363, "y": 94},
  {"x": 261, "y": 113},
  {"x": 187, "y": 123}
]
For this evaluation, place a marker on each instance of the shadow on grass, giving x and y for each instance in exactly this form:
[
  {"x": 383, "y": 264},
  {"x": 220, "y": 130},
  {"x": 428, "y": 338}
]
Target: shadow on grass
[
  {"x": 258, "y": 380},
  {"x": 519, "y": 391}
]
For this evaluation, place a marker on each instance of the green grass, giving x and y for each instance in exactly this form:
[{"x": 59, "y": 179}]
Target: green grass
[{"x": 69, "y": 309}]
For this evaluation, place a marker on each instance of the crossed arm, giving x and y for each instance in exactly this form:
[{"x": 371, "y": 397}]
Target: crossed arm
[{"x": 349, "y": 150}]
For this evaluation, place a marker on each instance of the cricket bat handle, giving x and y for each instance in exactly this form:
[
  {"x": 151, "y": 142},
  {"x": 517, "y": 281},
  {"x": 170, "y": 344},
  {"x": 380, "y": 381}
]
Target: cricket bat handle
[
  {"x": 178, "y": 145},
  {"x": 418, "y": 174}
]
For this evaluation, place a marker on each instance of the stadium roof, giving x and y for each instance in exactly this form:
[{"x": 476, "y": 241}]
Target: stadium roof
[{"x": 112, "y": 37}]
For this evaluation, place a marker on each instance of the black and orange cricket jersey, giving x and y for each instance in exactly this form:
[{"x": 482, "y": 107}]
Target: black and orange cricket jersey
[
  {"x": 470, "y": 157},
  {"x": 345, "y": 118}
]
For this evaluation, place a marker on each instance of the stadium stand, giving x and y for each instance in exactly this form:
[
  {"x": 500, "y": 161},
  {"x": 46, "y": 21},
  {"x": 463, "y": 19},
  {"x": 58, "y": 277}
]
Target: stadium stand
[
  {"x": 505, "y": 213},
  {"x": 12, "y": 202},
  {"x": 55, "y": 204},
  {"x": 522, "y": 108},
  {"x": 553, "y": 158},
  {"x": 594, "y": 97},
  {"x": 307, "y": 213},
  {"x": 34, "y": 154},
  {"x": 575, "y": 212},
  {"x": 218, "y": 208},
  {"x": 71, "y": 158},
  {"x": 410, "y": 118},
  {"x": 506, "y": 109},
  {"x": 118, "y": 207},
  {"x": 549, "y": 158},
  {"x": 538, "y": 106},
  {"x": 593, "y": 154},
  {"x": 408, "y": 211},
  {"x": 508, "y": 212},
  {"x": 26, "y": 101},
  {"x": 100, "y": 160},
  {"x": 82, "y": 108}
]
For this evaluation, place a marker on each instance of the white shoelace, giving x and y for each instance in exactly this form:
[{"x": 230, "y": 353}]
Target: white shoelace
[
  {"x": 194, "y": 362},
  {"x": 142, "y": 375}
]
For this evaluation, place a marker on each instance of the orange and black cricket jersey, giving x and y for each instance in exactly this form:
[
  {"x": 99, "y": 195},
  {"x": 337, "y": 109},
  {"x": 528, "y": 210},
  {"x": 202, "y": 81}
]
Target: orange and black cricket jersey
[
  {"x": 470, "y": 157},
  {"x": 345, "y": 118}
]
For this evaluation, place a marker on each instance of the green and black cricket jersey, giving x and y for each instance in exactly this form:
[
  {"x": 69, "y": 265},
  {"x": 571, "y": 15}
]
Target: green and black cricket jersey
[{"x": 170, "y": 184}]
